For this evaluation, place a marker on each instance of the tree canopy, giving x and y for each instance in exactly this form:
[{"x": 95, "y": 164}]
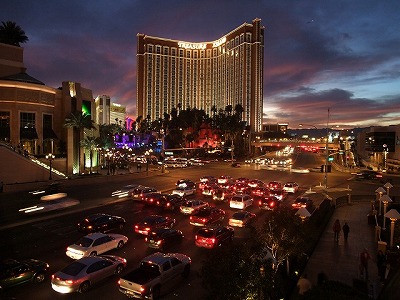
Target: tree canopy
[{"x": 12, "y": 34}]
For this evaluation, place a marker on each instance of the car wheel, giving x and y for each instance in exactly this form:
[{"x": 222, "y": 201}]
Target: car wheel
[
  {"x": 94, "y": 253},
  {"x": 84, "y": 287},
  {"x": 39, "y": 278},
  {"x": 156, "y": 292},
  {"x": 119, "y": 269},
  {"x": 186, "y": 271},
  {"x": 120, "y": 244}
]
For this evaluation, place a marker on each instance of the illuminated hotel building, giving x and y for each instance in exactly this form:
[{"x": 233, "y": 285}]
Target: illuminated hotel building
[{"x": 227, "y": 71}]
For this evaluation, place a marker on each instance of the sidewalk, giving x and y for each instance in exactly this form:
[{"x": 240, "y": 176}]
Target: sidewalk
[{"x": 340, "y": 261}]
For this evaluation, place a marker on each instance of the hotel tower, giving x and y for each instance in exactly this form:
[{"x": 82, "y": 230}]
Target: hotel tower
[{"x": 202, "y": 75}]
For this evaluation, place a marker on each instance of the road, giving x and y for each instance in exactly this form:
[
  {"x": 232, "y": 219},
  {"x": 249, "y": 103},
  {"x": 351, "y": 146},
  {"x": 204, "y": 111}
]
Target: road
[{"x": 46, "y": 236}]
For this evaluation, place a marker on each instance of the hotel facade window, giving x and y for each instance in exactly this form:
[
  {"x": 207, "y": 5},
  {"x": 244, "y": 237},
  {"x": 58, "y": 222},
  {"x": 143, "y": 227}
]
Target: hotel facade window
[{"x": 227, "y": 71}]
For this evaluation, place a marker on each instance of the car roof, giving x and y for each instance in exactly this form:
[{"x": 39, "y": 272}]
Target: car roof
[
  {"x": 158, "y": 257},
  {"x": 95, "y": 235}
]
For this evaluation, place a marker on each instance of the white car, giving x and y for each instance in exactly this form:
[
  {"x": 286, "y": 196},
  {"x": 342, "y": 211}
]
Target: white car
[
  {"x": 190, "y": 206},
  {"x": 291, "y": 187},
  {"x": 125, "y": 191},
  {"x": 184, "y": 191},
  {"x": 96, "y": 243},
  {"x": 241, "y": 201}
]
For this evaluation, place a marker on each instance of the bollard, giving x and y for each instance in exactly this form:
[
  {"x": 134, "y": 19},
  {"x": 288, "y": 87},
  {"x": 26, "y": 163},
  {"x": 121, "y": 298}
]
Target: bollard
[{"x": 348, "y": 198}]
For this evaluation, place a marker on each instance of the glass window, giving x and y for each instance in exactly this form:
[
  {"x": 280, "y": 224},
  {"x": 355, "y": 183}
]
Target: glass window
[
  {"x": 4, "y": 119},
  {"x": 27, "y": 120},
  {"x": 175, "y": 261},
  {"x": 47, "y": 121},
  {"x": 166, "y": 266}
]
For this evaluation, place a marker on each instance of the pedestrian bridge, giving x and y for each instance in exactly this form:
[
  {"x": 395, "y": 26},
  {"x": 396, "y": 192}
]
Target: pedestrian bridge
[{"x": 294, "y": 143}]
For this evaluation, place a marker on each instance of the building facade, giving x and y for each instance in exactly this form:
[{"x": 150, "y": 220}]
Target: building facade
[{"x": 205, "y": 75}]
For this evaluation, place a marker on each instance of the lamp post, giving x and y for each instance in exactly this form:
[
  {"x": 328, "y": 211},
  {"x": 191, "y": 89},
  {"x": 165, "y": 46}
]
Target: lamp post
[
  {"x": 50, "y": 157},
  {"x": 385, "y": 151},
  {"x": 303, "y": 213},
  {"x": 393, "y": 215},
  {"x": 380, "y": 190},
  {"x": 385, "y": 199},
  {"x": 108, "y": 156},
  {"x": 162, "y": 151},
  {"x": 388, "y": 186},
  {"x": 327, "y": 152}
]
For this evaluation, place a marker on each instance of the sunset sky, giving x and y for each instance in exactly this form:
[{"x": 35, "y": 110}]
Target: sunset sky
[{"x": 338, "y": 54}]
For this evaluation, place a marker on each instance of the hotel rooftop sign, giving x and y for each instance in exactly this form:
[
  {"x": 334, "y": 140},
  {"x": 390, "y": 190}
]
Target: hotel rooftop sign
[{"x": 201, "y": 46}]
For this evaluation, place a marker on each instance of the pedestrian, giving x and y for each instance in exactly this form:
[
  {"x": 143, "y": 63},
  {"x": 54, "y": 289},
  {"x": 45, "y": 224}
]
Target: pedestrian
[
  {"x": 364, "y": 259},
  {"x": 336, "y": 229},
  {"x": 304, "y": 284},
  {"x": 381, "y": 263},
  {"x": 346, "y": 230}
]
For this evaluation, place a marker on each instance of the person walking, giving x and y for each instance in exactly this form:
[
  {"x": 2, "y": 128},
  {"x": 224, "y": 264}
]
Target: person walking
[
  {"x": 381, "y": 263},
  {"x": 303, "y": 285},
  {"x": 346, "y": 230},
  {"x": 364, "y": 259},
  {"x": 336, "y": 229}
]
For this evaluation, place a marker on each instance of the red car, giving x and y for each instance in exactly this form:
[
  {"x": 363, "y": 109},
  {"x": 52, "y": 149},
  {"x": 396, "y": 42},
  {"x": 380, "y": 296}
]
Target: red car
[
  {"x": 210, "y": 237},
  {"x": 303, "y": 202},
  {"x": 207, "y": 216},
  {"x": 275, "y": 185},
  {"x": 153, "y": 222},
  {"x": 152, "y": 198},
  {"x": 269, "y": 203},
  {"x": 260, "y": 192}
]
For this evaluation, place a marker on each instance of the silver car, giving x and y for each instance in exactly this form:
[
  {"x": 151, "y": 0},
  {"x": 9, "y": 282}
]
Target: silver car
[{"x": 80, "y": 275}]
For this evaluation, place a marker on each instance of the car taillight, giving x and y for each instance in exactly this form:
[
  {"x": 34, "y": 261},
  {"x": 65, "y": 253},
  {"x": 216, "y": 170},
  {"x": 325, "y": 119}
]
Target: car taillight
[
  {"x": 159, "y": 242},
  {"x": 272, "y": 204},
  {"x": 213, "y": 240},
  {"x": 69, "y": 281},
  {"x": 52, "y": 276},
  {"x": 146, "y": 239},
  {"x": 90, "y": 227},
  {"x": 142, "y": 289},
  {"x": 260, "y": 203},
  {"x": 191, "y": 218},
  {"x": 119, "y": 281},
  {"x": 195, "y": 237},
  {"x": 168, "y": 204},
  {"x": 147, "y": 229},
  {"x": 204, "y": 220},
  {"x": 136, "y": 226}
]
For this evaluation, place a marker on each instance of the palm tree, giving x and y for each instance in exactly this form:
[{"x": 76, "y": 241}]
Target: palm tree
[
  {"x": 90, "y": 143},
  {"x": 78, "y": 121},
  {"x": 12, "y": 34}
]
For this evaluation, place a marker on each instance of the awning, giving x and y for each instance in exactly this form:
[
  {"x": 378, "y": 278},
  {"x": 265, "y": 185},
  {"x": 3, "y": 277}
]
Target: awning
[
  {"x": 28, "y": 134},
  {"x": 49, "y": 134},
  {"x": 4, "y": 133}
]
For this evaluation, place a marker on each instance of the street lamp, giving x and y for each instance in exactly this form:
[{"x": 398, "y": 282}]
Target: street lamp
[
  {"x": 50, "y": 157},
  {"x": 385, "y": 151},
  {"x": 388, "y": 186},
  {"x": 162, "y": 151},
  {"x": 380, "y": 190},
  {"x": 303, "y": 213},
  {"x": 385, "y": 199},
  {"x": 327, "y": 152},
  {"x": 393, "y": 215}
]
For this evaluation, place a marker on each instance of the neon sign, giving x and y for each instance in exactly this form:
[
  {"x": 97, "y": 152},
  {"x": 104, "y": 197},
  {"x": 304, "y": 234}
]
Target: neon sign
[
  {"x": 192, "y": 45},
  {"x": 219, "y": 42}
]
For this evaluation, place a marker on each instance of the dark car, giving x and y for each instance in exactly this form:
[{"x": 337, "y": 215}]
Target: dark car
[
  {"x": 368, "y": 174},
  {"x": 207, "y": 216},
  {"x": 275, "y": 185},
  {"x": 280, "y": 194},
  {"x": 242, "y": 218},
  {"x": 260, "y": 192},
  {"x": 13, "y": 272},
  {"x": 268, "y": 203},
  {"x": 170, "y": 201},
  {"x": 152, "y": 199},
  {"x": 153, "y": 222},
  {"x": 101, "y": 223},
  {"x": 140, "y": 192},
  {"x": 210, "y": 237},
  {"x": 303, "y": 202},
  {"x": 163, "y": 238},
  {"x": 46, "y": 190}
]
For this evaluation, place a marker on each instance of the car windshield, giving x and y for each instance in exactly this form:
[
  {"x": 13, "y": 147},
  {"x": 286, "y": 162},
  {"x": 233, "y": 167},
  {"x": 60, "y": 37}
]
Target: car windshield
[
  {"x": 84, "y": 242},
  {"x": 150, "y": 267},
  {"x": 73, "y": 269},
  {"x": 239, "y": 215},
  {"x": 203, "y": 213}
]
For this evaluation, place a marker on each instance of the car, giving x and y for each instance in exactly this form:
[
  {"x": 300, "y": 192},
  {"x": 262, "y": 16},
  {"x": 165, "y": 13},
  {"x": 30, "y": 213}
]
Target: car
[
  {"x": 153, "y": 222},
  {"x": 52, "y": 202},
  {"x": 223, "y": 179},
  {"x": 126, "y": 191},
  {"x": 191, "y": 206},
  {"x": 140, "y": 192},
  {"x": 207, "y": 216},
  {"x": 184, "y": 191},
  {"x": 260, "y": 192},
  {"x": 206, "y": 180},
  {"x": 254, "y": 183},
  {"x": 163, "y": 238},
  {"x": 275, "y": 185},
  {"x": 280, "y": 194},
  {"x": 185, "y": 183},
  {"x": 80, "y": 275},
  {"x": 52, "y": 188},
  {"x": 170, "y": 202},
  {"x": 222, "y": 195},
  {"x": 242, "y": 180},
  {"x": 291, "y": 187},
  {"x": 241, "y": 188},
  {"x": 152, "y": 199},
  {"x": 240, "y": 201},
  {"x": 303, "y": 202},
  {"x": 96, "y": 243},
  {"x": 14, "y": 272},
  {"x": 209, "y": 189},
  {"x": 300, "y": 170},
  {"x": 242, "y": 218},
  {"x": 101, "y": 223},
  {"x": 210, "y": 237},
  {"x": 268, "y": 203},
  {"x": 368, "y": 174}
]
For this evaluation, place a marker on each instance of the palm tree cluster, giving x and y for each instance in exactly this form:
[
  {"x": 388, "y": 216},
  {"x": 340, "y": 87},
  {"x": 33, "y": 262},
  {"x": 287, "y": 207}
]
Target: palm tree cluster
[{"x": 12, "y": 34}]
